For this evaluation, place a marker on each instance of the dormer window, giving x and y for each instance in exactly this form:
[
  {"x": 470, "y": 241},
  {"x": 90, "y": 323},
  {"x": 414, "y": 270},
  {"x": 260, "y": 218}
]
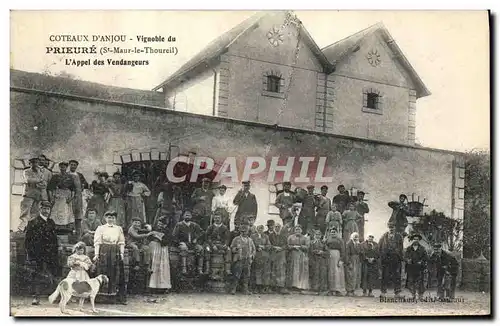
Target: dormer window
[
  {"x": 273, "y": 84},
  {"x": 372, "y": 101}
]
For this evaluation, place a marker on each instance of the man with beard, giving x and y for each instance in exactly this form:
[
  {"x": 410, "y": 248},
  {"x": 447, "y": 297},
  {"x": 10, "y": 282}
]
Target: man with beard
[
  {"x": 391, "y": 255},
  {"x": 77, "y": 203},
  {"x": 41, "y": 249},
  {"x": 202, "y": 204},
  {"x": 186, "y": 235},
  {"x": 285, "y": 200},
  {"x": 416, "y": 264},
  {"x": 323, "y": 206},
  {"x": 34, "y": 186},
  {"x": 217, "y": 241},
  {"x": 307, "y": 212},
  {"x": 243, "y": 250},
  {"x": 369, "y": 265},
  {"x": 342, "y": 199},
  {"x": 246, "y": 202}
]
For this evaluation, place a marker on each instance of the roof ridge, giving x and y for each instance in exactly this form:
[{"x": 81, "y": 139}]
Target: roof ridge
[{"x": 378, "y": 24}]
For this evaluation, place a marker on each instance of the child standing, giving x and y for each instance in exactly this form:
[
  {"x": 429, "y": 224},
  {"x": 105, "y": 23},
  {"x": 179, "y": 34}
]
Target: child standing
[{"x": 79, "y": 263}]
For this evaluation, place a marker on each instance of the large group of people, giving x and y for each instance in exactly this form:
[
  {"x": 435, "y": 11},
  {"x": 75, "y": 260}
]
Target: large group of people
[{"x": 319, "y": 245}]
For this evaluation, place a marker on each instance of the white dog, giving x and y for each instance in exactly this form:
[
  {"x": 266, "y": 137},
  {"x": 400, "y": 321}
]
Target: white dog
[{"x": 68, "y": 288}]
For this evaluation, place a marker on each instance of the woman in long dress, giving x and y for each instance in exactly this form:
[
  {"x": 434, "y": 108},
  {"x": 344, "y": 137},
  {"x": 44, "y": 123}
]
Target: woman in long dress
[
  {"x": 336, "y": 277},
  {"x": 160, "y": 259},
  {"x": 353, "y": 265},
  {"x": 298, "y": 260},
  {"x": 333, "y": 221},
  {"x": 109, "y": 247},
  {"x": 61, "y": 190},
  {"x": 318, "y": 268},
  {"x": 100, "y": 193},
  {"x": 136, "y": 191},
  {"x": 116, "y": 200},
  {"x": 79, "y": 263},
  {"x": 351, "y": 218},
  {"x": 261, "y": 267}
]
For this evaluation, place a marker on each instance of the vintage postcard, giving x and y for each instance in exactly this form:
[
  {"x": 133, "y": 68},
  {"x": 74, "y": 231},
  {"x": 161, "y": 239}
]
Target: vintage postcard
[{"x": 237, "y": 163}]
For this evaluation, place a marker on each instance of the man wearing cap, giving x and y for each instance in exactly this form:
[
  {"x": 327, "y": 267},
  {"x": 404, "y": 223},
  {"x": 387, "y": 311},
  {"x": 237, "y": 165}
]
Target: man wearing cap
[
  {"x": 416, "y": 264},
  {"x": 202, "y": 204},
  {"x": 34, "y": 186},
  {"x": 342, "y": 199},
  {"x": 362, "y": 209},
  {"x": 186, "y": 236},
  {"x": 391, "y": 256},
  {"x": 80, "y": 185},
  {"x": 243, "y": 250},
  {"x": 285, "y": 200},
  {"x": 246, "y": 202},
  {"x": 306, "y": 216},
  {"x": 47, "y": 173},
  {"x": 221, "y": 203},
  {"x": 41, "y": 248},
  {"x": 61, "y": 191},
  {"x": 323, "y": 206},
  {"x": 369, "y": 265},
  {"x": 217, "y": 241},
  {"x": 135, "y": 198},
  {"x": 399, "y": 212},
  {"x": 447, "y": 267}
]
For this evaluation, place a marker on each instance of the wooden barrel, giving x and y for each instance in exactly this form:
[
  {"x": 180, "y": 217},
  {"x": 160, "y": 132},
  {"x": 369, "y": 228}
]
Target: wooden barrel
[
  {"x": 217, "y": 265},
  {"x": 174, "y": 259},
  {"x": 216, "y": 286}
]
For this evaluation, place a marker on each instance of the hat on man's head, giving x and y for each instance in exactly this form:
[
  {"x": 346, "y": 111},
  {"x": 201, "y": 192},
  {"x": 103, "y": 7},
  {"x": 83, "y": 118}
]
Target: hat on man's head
[
  {"x": 415, "y": 236},
  {"x": 63, "y": 164},
  {"x": 103, "y": 174},
  {"x": 287, "y": 183},
  {"x": 205, "y": 180},
  {"x": 270, "y": 223},
  {"x": 222, "y": 187},
  {"x": 340, "y": 186},
  {"x": 246, "y": 182},
  {"x": 361, "y": 192},
  {"x": 34, "y": 159},
  {"x": 310, "y": 187},
  {"x": 74, "y": 161},
  {"x": 45, "y": 204},
  {"x": 403, "y": 195},
  {"x": 324, "y": 187},
  {"x": 136, "y": 219}
]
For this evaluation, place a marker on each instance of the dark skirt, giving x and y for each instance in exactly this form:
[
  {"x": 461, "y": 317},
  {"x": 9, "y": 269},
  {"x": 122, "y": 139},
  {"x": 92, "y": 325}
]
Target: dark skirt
[{"x": 111, "y": 265}]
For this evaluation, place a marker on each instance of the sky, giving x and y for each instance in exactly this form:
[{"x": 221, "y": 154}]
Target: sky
[{"x": 448, "y": 49}]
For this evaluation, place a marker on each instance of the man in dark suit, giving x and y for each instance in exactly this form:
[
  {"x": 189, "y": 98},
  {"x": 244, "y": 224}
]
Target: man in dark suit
[
  {"x": 391, "y": 256},
  {"x": 246, "y": 202},
  {"x": 416, "y": 264},
  {"x": 41, "y": 249},
  {"x": 447, "y": 267}
]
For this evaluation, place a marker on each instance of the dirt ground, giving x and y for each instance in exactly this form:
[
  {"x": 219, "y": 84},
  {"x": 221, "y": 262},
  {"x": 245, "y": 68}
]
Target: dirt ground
[{"x": 213, "y": 305}]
